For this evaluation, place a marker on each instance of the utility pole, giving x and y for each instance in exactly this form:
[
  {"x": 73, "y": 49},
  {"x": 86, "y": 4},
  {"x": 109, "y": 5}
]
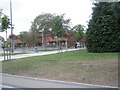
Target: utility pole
[{"x": 12, "y": 43}]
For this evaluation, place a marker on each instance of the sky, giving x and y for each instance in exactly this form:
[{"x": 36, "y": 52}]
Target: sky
[{"x": 25, "y": 11}]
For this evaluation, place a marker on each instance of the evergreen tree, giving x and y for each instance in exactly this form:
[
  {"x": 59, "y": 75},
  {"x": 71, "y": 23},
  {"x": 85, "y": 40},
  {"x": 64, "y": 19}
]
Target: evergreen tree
[{"x": 103, "y": 32}]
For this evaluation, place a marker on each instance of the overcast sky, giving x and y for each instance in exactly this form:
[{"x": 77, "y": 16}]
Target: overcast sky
[{"x": 25, "y": 11}]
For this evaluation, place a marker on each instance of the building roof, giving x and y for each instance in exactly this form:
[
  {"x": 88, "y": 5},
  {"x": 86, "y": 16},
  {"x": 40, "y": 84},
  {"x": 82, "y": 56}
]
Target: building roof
[
  {"x": 54, "y": 39},
  {"x": 16, "y": 41}
]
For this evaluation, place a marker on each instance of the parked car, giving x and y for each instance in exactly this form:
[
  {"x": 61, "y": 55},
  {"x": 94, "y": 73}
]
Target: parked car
[{"x": 77, "y": 45}]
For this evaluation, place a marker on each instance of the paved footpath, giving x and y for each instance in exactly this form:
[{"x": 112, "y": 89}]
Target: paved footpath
[
  {"x": 15, "y": 81},
  {"x": 37, "y": 54}
]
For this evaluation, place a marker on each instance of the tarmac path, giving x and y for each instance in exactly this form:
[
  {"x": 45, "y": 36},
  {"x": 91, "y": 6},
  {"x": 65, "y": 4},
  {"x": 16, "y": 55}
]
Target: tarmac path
[{"x": 37, "y": 54}]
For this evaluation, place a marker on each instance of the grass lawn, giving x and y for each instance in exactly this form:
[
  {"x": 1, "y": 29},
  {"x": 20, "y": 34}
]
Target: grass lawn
[
  {"x": 14, "y": 53},
  {"x": 77, "y": 66}
]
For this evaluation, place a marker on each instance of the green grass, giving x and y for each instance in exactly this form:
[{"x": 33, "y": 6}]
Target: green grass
[
  {"x": 76, "y": 55},
  {"x": 13, "y": 53},
  {"x": 72, "y": 66},
  {"x": 28, "y": 62}
]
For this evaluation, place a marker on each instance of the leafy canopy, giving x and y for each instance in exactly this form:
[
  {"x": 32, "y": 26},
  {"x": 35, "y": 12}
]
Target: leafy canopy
[
  {"x": 78, "y": 29},
  {"x": 5, "y": 23}
]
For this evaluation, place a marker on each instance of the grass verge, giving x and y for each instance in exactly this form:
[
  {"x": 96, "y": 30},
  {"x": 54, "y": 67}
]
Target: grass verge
[
  {"x": 13, "y": 53},
  {"x": 78, "y": 66}
]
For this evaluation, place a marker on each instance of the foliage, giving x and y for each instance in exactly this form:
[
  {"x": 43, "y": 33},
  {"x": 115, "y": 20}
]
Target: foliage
[
  {"x": 60, "y": 26},
  {"x": 23, "y": 36},
  {"x": 49, "y": 24},
  {"x": 103, "y": 32},
  {"x": 41, "y": 24},
  {"x": 27, "y": 37},
  {"x": 1, "y": 38},
  {"x": 5, "y": 23},
  {"x": 78, "y": 29}
]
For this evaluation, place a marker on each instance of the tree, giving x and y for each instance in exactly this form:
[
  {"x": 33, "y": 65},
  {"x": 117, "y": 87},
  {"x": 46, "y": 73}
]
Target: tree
[
  {"x": 27, "y": 38},
  {"x": 5, "y": 24},
  {"x": 1, "y": 38},
  {"x": 103, "y": 33},
  {"x": 60, "y": 26},
  {"x": 23, "y": 36},
  {"x": 78, "y": 30},
  {"x": 49, "y": 24},
  {"x": 42, "y": 23}
]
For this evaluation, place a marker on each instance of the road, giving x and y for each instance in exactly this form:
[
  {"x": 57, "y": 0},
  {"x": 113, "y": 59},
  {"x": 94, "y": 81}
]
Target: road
[{"x": 14, "y": 81}]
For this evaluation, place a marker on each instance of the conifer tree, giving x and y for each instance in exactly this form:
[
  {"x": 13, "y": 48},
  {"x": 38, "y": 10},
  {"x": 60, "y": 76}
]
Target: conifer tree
[{"x": 103, "y": 32}]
